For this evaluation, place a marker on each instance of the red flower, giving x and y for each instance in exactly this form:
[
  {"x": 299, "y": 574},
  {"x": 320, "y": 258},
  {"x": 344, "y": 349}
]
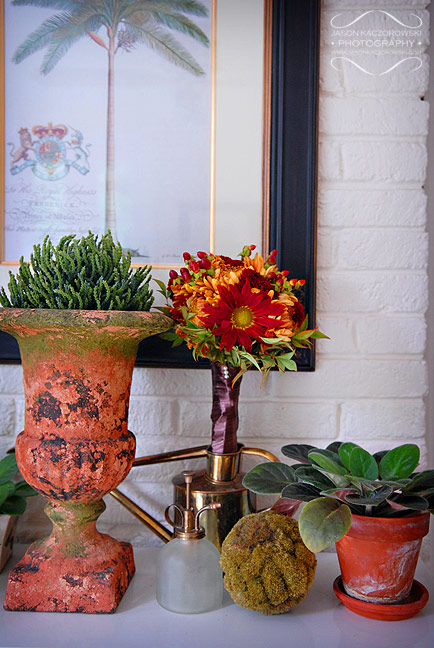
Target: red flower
[
  {"x": 299, "y": 315},
  {"x": 241, "y": 316},
  {"x": 255, "y": 280}
]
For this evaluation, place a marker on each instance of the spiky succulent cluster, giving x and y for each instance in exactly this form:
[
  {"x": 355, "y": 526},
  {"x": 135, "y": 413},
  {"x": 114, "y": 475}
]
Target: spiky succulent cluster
[{"x": 84, "y": 273}]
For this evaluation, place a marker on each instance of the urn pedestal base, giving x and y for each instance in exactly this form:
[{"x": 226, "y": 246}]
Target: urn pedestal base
[
  {"x": 75, "y": 569},
  {"x": 41, "y": 583}
]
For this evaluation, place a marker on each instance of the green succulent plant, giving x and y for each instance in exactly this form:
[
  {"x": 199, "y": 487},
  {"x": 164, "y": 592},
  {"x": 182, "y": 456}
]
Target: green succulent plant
[
  {"x": 12, "y": 494},
  {"x": 344, "y": 479},
  {"x": 84, "y": 273}
]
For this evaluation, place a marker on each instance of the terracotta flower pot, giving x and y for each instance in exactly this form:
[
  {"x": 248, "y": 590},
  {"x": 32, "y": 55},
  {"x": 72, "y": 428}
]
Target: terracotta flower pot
[
  {"x": 378, "y": 556},
  {"x": 75, "y": 448}
]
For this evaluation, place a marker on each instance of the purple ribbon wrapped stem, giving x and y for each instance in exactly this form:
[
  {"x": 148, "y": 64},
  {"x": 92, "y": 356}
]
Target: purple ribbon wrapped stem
[{"x": 224, "y": 414}]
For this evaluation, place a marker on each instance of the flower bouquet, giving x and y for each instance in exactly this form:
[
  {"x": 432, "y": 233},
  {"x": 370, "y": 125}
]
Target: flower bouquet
[{"x": 238, "y": 313}]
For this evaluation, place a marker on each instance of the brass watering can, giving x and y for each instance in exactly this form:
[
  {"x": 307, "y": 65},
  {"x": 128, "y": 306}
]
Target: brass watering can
[{"x": 220, "y": 483}]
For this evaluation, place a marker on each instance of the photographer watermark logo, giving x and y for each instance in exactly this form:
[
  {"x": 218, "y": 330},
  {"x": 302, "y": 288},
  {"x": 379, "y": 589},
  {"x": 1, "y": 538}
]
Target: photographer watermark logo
[{"x": 400, "y": 37}]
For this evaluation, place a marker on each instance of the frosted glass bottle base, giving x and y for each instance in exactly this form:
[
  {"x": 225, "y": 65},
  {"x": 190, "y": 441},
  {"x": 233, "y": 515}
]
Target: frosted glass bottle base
[{"x": 189, "y": 577}]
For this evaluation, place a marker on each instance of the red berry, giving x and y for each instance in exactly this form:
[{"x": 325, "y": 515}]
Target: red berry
[
  {"x": 204, "y": 264},
  {"x": 273, "y": 253},
  {"x": 193, "y": 265},
  {"x": 285, "y": 273},
  {"x": 185, "y": 274},
  {"x": 271, "y": 275},
  {"x": 302, "y": 282},
  {"x": 187, "y": 256},
  {"x": 173, "y": 274},
  {"x": 202, "y": 255},
  {"x": 252, "y": 247},
  {"x": 271, "y": 259}
]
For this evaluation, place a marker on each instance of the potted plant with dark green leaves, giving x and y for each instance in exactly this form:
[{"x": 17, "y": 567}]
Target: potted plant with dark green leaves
[
  {"x": 13, "y": 503},
  {"x": 78, "y": 312},
  {"x": 374, "y": 507}
]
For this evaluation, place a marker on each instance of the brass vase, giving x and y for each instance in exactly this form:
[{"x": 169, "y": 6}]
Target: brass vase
[{"x": 222, "y": 480}]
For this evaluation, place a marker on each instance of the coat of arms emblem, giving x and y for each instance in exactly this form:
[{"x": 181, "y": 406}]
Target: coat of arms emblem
[{"x": 50, "y": 156}]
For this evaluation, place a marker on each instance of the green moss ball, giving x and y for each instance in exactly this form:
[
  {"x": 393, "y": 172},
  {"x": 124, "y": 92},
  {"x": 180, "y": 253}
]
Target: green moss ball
[{"x": 266, "y": 565}]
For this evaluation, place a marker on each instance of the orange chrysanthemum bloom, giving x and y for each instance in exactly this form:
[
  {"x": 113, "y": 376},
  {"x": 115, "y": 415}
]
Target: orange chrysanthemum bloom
[
  {"x": 257, "y": 263},
  {"x": 226, "y": 264}
]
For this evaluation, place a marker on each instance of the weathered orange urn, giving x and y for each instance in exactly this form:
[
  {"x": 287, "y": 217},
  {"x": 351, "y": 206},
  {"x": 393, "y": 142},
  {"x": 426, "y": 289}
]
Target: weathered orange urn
[{"x": 75, "y": 448}]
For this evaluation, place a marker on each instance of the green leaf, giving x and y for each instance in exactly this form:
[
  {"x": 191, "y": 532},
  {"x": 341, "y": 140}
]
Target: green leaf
[
  {"x": 305, "y": 324},
  {"x": 341, "y": 481},
  {"x": 329, "y": 461},
  {"x": 345, "y": 451},
  {"x": 422, "y": 483},
  {"x": 303, "y": 335},
  {"x": 6, "y": 490},
  {"x": 270, "y": 477},
  {"x": 14, "y": 505},
  {"x": 284, "y": 364},
  {"x": 8, "y": 468},
  {"x": 311, "y": 475},
  {"x": 169, "y": 335},
  {"x": 25, "y": 490},
  {"x": 272, "y": 340},
  {"x": 374, "y": 484},
  {"x": 299, "y": 345},
  {"x": 298, "y": 451},
  {"x": 334, "y": 446},
  {"x": 373, "y": 499},
  {"x": 379, "y": 455},
  {"x": 285, "y": 506},
  {"x": 250, "y": 358},
  {"x": 318, "y": 335},
  {"x": 363, "y": 464},
  {"x": 162, "y": 286},
  {"x": 340, "y": 493},
  {"x": 400, "y": 462},
  {"x": 300, "y": 491},
  {"x": 413, "y": 502},
  {"x": 287, "y": 356},
  {"x": 322, "y": 522}
]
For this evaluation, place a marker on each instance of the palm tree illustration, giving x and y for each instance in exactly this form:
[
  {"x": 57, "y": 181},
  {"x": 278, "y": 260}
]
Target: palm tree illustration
[{"x": 124, "y": 23}]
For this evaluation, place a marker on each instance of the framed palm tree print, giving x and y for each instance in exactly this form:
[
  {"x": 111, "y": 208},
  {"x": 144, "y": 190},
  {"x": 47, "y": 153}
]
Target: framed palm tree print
[
  {"x": 108, "y": 123},
  {"x": 182, "y": 125}
]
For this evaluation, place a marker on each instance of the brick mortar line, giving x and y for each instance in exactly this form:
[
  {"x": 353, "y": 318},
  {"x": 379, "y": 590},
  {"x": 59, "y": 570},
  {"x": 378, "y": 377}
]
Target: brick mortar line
[
  {"x": 398, "y": 228},
  {"x": 329, "y": 94},
  {"x": 355, "y": 185},
  {"x": 372, "y": 315},
  {"x": 334, "y": 402},
  {"x": 392, "y": 357},
  {"x": 373, "y": 138},
  {"x": 324, "y": 267},
  {"x": 384, "y": 271}
]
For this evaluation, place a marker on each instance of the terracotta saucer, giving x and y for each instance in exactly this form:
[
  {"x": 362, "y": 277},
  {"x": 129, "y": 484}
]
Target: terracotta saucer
[{"x": 417, "y": 600}]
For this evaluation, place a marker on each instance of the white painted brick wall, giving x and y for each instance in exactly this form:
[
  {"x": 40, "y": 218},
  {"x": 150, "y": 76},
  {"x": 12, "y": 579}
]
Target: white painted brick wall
[
  {"x": 373, "y": 116},
  {"x": 372, "y": 161},
  {"x": 371, "y": 378}
]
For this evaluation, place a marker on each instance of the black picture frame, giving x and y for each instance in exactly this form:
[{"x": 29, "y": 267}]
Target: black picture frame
[{"x": 291, "y": 171}]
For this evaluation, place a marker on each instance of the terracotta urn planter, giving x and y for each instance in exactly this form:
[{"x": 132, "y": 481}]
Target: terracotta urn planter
[
  {"x": 75, "y": 448},
  {"x": 378, "y": 556}
]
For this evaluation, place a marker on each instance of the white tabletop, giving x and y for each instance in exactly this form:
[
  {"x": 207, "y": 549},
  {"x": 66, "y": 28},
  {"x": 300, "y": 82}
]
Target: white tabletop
[{"x": 139, "y": 622}]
